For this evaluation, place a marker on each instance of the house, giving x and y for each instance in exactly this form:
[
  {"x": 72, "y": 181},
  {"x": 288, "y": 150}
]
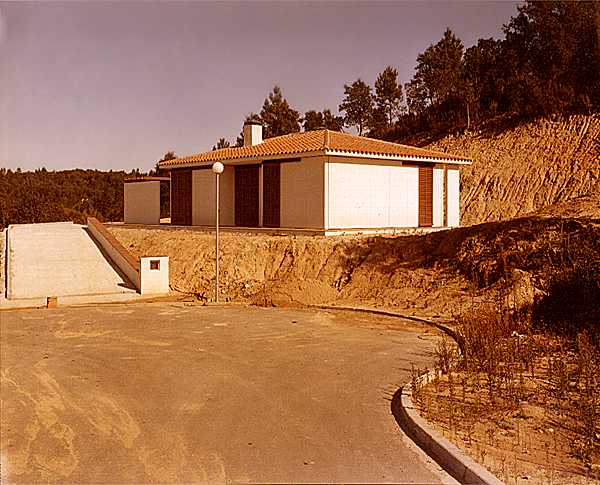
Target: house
[{"x": 320, "y": 180}]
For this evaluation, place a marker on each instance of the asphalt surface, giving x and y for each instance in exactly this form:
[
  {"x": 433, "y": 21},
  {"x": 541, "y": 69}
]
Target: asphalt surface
[{"x": 169, "y": 392}]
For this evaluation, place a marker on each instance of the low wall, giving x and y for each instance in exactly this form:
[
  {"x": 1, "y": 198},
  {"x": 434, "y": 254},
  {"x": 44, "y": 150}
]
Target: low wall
[
  {"x": 150, "y": 275},
  {"x": 154, "y": 275}
]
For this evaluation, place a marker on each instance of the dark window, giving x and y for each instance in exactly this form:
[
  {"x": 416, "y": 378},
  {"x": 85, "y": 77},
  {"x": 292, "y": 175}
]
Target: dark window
[
  {"x": 271, "y": 194},
  {"x": 181, "y": 197},
  {"x": 246, "y": 195},
  {"x": 425, "y": 196}
]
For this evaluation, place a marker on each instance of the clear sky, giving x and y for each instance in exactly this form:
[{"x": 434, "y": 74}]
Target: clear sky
[{"x": 116, "y": 85}]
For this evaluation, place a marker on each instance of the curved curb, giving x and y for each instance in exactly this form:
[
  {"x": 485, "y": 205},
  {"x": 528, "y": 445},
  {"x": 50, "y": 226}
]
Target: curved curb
[
  {"x": 446, "y": 454},
  {"x": 447, "y": 330},
  {"x": 451, "y": 458}
]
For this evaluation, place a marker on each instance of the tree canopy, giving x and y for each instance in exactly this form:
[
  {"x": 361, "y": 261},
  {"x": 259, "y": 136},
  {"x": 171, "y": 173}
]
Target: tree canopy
[
  {"x": 69, "y": 195},
  {"x": 548, "y": 62},
  {"x": 553, "y": 49},
  {"x": 388, "y": 94},
  {"x": 357, "y": 105},
  {"x": 221, "y": 143},
  {"x": 438, "y": 78},
  {"x": 315, "y": 120},
  {"x": 277, "y": 117}
]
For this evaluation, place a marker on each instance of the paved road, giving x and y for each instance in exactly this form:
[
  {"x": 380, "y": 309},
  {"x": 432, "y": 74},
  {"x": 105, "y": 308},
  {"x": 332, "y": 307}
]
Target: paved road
[
  {"x": 58, "y": 259},
  {"x": 179, "y": 393}
]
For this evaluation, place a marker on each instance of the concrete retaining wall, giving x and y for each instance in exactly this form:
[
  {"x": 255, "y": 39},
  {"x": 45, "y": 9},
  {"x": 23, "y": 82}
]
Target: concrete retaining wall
[
  {"x": 7, "y": 268},
  {"x": 150, "y": 275},
  {"x": 126, "y": 262}
]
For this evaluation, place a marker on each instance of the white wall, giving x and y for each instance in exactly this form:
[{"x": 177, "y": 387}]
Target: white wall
[
  {"x": 141, "y": 202},
  {"x": 302, "y": 193},
  {"x": 203, "y": 197},
  {"x": 154, "y": 281},
  {"x": 404, "y": 190},
  {"x": 438, "y": 197},
  {"x": 370, "y": 195},
  {"x": 453, "y": 198}
]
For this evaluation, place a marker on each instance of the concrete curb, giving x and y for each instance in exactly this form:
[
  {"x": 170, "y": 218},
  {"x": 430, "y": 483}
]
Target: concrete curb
[
  {"x": 75, "y": 300},
  {"x": 451, "y": 458}
]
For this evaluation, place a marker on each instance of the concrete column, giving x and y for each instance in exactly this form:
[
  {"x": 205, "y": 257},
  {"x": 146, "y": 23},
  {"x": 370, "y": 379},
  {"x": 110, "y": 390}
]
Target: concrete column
[
  {"x": 260, "y": 196},
  {"x": 445, "y": 204}
]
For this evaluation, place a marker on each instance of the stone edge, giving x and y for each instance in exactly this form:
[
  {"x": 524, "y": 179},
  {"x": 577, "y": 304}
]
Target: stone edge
[{"x": 451, "y": 458}]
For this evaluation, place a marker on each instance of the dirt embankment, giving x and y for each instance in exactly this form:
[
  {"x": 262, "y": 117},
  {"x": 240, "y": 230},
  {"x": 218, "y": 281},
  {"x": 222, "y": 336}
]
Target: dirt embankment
[
  {"x": 433, "y": 274},
  {"x": 515, "y": 172},
  {"x": 288, "y": 270},
  {"x": 520, "y": 170}
]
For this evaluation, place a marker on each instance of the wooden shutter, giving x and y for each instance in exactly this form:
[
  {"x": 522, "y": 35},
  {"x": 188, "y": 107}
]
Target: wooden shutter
[
  {"x": 181, "y": 197},
  {"x": 271, "y": 194},
  {"x": 425, "y": 196},
  {"x": 246, "y": 195}
]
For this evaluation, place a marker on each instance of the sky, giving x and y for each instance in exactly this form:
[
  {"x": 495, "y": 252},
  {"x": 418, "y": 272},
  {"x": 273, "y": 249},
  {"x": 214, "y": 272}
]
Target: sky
[{"x": 115, "y": 85}]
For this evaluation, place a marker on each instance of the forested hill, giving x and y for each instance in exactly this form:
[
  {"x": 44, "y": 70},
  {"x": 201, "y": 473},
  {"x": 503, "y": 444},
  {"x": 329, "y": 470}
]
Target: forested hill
[{"x": 69, "y": 195}]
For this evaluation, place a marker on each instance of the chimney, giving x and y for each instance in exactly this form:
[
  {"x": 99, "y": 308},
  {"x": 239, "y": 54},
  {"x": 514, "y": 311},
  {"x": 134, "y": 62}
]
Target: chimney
[{"x": 252, "y": 133}]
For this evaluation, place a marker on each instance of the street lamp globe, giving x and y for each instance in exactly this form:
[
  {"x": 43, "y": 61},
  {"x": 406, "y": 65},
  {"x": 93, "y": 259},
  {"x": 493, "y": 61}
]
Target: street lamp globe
[{"x": 218, "y": 167}]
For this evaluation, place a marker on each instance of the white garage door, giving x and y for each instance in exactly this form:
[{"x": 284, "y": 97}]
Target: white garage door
[{"x": 370, "y": 196}]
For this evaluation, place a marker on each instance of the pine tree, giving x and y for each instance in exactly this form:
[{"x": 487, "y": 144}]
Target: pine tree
[
  {"x": 388, "y": 94},
  {"x": 357, "y": 105},
  {"x": 221, "y": 143},
  {"x": 277, "y": 117},
  {"x": 315, "y": 120}
]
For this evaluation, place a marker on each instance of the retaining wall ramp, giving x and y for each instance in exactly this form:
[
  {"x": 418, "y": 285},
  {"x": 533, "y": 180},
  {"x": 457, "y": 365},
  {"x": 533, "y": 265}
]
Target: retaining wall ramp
[{"x": 59, "y": 259}]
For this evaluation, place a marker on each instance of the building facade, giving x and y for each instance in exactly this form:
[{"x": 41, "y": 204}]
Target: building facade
[{"x": 320, "y": 180}]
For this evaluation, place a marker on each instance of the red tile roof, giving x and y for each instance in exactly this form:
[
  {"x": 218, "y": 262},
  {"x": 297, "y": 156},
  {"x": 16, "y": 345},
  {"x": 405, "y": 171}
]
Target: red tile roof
[{"x": 319, "y": 141}]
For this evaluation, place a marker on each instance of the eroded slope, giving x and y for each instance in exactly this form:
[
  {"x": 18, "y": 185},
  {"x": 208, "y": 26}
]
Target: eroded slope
[{"x": 522, "y": 169}]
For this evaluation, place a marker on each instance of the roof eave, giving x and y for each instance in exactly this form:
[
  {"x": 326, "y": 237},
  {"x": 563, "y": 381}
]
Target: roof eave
[
  {"x": 316, "y": 153},
  {"x": 402, "y": 158},
  {"x": 246, "y": 160}
]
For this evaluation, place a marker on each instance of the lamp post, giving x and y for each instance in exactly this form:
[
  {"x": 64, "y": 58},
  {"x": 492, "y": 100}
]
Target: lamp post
[{"x": 217, "y": 168}]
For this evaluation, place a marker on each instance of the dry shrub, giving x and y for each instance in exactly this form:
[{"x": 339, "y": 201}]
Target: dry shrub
[
  {"x": 446, "y": 354},
  {"x": 588, "y": 395},
  {"x": 493, "y": 348},
  {"x": 572, "y": 301},
  {"x": 539, "y": 246}
]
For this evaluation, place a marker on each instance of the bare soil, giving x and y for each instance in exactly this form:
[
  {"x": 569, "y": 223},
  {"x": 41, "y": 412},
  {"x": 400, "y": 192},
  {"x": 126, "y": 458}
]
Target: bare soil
[
  {"x": 437, "y": 275},
  {"x": 185, "y": 393},
  {"x": 301, "y": 270},
  {"x": 434, "y": 274},
  {"x": 545, "y": 175},
  {"x": 528, "y": 435},
  {"x": 522, "y": 169}
]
